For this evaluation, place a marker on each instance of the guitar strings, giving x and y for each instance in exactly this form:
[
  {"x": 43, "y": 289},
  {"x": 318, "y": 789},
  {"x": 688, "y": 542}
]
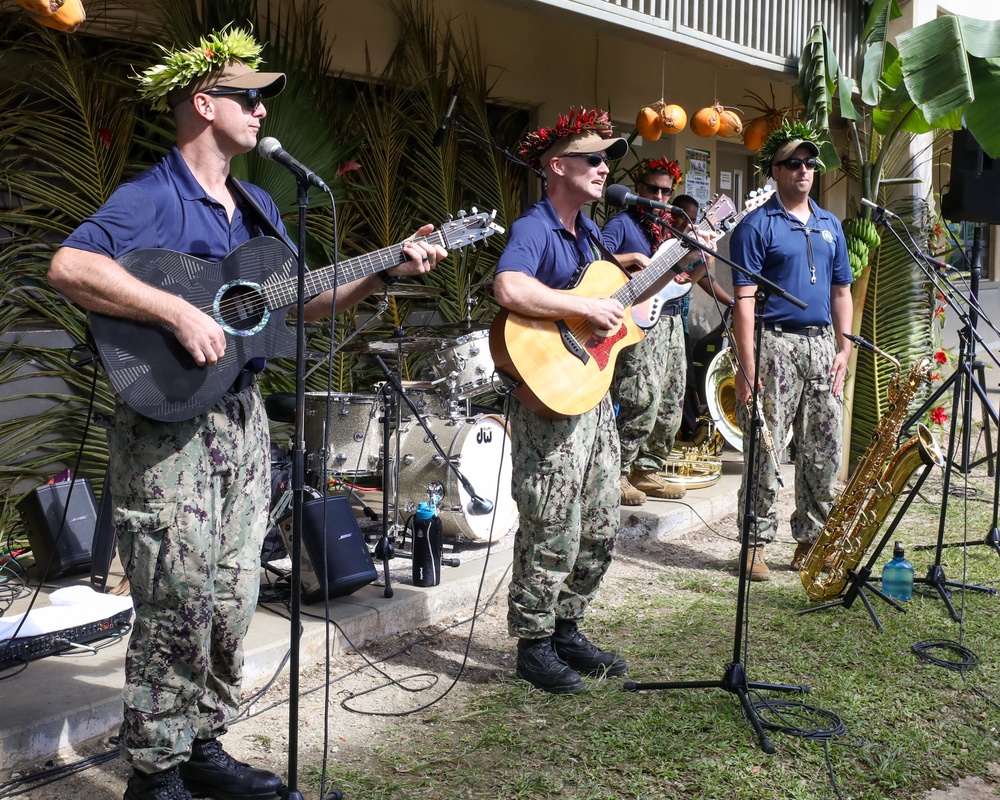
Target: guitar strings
[{"x": 274, "y": 296}]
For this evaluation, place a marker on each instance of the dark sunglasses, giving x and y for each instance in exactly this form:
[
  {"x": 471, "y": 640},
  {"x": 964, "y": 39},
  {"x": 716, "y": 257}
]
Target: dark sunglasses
[
  {"x": 653, "y": 189},
  {"x": 593, "y": 159},
  {"x": 794, "y": 163},
  {"x": 252, "y": 98}
]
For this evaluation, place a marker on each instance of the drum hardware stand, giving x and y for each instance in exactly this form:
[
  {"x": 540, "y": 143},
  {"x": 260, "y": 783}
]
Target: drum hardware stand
[
  {"x": 964, "y": 382},
  {"x": 477, "y": 505},
  {"x": 860, "y": 580},
  {"x": 734, "y": 678},
  {"x": 382, "y": 307}
]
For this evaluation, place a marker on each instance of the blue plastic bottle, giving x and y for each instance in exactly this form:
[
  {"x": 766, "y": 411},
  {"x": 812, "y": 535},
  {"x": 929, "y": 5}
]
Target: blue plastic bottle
[{"x": 897, "y": 576}]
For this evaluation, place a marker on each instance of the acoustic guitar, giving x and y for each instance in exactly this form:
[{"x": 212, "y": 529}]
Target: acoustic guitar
[{"x": 562, "y": 368}]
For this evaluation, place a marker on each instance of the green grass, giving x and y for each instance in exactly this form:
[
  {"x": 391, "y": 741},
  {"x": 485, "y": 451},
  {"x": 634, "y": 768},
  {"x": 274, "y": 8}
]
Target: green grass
[{"x": 910, "y": 725}]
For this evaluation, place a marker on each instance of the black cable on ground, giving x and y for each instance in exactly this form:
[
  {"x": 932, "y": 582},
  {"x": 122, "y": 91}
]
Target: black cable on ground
[
  {"x": 966, "y": 661},
  {"x": 806, "y": 722}
]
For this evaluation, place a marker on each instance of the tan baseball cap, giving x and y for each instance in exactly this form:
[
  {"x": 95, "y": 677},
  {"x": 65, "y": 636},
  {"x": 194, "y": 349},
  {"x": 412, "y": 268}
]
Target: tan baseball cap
[
  {"x": 585, "y": 143},
  {"x": 233, "y": 75},
  {"x": 789, "y": 147}
]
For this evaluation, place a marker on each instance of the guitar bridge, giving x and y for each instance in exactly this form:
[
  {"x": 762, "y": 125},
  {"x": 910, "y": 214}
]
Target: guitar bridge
[{"x": 570, "y": 342}]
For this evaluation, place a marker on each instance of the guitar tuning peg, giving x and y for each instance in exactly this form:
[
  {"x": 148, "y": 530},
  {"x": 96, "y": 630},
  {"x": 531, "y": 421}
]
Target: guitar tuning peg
[
  {"x": 475, "y": 210},
  {"x": 461, "y": 214}
]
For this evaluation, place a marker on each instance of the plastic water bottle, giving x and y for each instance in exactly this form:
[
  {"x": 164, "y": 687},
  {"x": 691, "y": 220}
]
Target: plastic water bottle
[
  {"x": 426, "y": 546},
  {"x": 897, "y": 576}
]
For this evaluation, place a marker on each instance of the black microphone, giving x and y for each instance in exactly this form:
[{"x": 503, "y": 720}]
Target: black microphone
[
  {"x": 445, "y": 123},
  {"x": 271, "y": 149},
  {"x": 620, "y": 196},
  {"x": 885, "y": 212},
  {"x": 479, "y": 506}
]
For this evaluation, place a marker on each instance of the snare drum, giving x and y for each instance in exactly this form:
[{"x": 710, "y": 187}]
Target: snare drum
[
  {"x": 466, "y": 364},
  {"x": 480, "y": 448},
  {"x": 351, "y": 443}
]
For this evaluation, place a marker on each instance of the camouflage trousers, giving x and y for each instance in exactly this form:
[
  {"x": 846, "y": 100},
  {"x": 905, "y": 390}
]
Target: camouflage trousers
[
  {"x": 648, "y": 388},
  {"x": 190, "y": 514},
  {"x": 565, "y": 484},
  {"x": 795, "y": 374}
]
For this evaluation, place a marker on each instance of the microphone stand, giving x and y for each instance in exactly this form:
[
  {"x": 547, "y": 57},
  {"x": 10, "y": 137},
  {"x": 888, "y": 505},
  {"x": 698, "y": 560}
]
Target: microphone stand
[
  {"x": 734, "y": 678},
  {"x": 457, "y": 123},
  {"x": 290, "y": 790},
  {"x": 964, "y": 382}
]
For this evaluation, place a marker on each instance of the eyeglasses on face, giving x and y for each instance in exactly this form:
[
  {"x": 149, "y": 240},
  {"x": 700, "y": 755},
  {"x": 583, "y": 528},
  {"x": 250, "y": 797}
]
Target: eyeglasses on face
[
  {"x": 593, "y": 159},
  {"x": 652, "y": 188},
  {"x": 795, "y": 163},
  {"x": 252, "y": 98}
]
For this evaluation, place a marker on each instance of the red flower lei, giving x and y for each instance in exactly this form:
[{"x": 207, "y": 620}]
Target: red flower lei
[
  {"x": 577, "y": 121},
  {"x": 648, "y": 165}
]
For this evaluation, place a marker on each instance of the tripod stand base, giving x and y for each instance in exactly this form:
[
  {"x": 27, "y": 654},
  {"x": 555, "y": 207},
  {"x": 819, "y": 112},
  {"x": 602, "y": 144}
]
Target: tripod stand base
[
  {"x": 859, "y": 582},
  {"x": 293, "y": 794},
  {"x": 734, "y": 680},
  {"x": 936, "y": 580}
]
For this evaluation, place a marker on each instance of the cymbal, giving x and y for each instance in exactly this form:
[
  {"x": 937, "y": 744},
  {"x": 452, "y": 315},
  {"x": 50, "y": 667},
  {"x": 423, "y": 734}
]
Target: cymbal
[
  {"x": 458, "y": 328},
  {"x": 411, "y": 290},
  {"x": 400, "y": 344}
]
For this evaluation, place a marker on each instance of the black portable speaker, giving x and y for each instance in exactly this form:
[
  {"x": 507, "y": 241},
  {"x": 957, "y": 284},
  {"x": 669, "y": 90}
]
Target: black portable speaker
[
  {"x": 349, "y": 565},
  {"x": 974, "y": 191},
  {"x": 43, "y": 510}
]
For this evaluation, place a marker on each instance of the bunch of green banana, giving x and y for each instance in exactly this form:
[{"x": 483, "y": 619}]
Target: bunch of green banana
[{"x": 862, "y": 237}]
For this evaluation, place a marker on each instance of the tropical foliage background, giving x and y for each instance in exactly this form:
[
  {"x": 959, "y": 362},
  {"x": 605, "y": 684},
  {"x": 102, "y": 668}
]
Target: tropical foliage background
[
  {"x": 71, "y": 131},
  {"x": 941, "y": 77}
]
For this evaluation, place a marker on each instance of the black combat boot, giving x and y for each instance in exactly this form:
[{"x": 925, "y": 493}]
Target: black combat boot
[
  {"x": 166, "y": 785},
  {"x": 214, "y": 773},
  {"x": 542, "y": 668},
  {"x": 572, "y": 647}
]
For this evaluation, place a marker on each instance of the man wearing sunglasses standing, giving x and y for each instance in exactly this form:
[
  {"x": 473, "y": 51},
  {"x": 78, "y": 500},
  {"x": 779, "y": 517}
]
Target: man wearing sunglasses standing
[
  {"x": 803, "y": 358},
  {"x": 649, "y": 380},
  {"x": 565, "y": 471},
  {"x": 190, "y": 497}
]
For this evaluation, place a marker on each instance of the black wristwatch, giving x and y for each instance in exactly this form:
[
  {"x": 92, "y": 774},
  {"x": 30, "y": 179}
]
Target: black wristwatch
[{"x": 388, "y": 279}]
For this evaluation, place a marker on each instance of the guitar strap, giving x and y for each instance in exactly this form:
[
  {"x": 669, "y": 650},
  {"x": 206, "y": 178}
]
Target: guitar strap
[
  {"x": 264, "y": 222},
  {"x": 595, "y": 242}
]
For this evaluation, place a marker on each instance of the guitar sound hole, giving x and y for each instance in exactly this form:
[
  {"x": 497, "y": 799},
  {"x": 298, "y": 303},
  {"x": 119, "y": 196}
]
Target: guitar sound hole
[{"x": 241, "y": 309}]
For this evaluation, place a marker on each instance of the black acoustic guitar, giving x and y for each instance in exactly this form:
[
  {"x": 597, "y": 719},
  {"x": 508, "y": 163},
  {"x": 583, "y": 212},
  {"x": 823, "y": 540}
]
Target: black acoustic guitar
[{"x": 249, "y": 296}]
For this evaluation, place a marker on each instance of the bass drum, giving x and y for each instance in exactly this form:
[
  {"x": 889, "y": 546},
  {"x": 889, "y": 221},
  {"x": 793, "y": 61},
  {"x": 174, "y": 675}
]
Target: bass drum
[{"x": 480, "y": 448}]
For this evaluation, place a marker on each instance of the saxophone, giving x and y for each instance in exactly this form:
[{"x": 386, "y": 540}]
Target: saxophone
[{"x": 881, "y": 475}]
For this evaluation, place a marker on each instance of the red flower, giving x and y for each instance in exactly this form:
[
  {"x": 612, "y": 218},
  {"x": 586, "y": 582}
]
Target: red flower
[
  {"x": 647, "y": 165},
  {"x": 934, "y": 376},
  {"x": 939, "y": 312},
  {"x": 105, "y": 136},
  {"x": 577, "y": 121},
  {"x": 938, "y": 416},
  {"x": 348, "y": 166},
  {"x": 941, "y": 357}
]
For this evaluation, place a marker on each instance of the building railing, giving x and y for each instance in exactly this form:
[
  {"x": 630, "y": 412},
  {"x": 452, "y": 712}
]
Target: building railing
[{"x": 769, "y": 34}]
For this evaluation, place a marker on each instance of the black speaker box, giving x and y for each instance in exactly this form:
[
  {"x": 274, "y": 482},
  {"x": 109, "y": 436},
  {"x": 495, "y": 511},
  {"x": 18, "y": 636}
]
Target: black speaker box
[
  {"x": 43, "y": 510},
  {"x": 974, "y": 192},
  {"x": 349, "y": 565}
]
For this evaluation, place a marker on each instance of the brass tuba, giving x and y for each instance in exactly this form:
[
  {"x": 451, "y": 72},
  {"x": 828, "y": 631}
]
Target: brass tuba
[{"x": 879, "y": 478}]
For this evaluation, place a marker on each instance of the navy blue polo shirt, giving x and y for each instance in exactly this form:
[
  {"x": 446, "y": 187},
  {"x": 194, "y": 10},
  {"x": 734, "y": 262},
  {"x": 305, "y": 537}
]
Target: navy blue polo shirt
[
  {"x": 539, "y": 245},
  {"x": 770, "y": 242},
  {"x": 164, "y": 206},
  {"x": 623, "y": 234}
]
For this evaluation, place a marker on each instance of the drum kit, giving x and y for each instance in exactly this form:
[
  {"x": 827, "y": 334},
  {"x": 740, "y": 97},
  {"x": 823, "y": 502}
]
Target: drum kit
[{"x": 345, "y": 441}]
